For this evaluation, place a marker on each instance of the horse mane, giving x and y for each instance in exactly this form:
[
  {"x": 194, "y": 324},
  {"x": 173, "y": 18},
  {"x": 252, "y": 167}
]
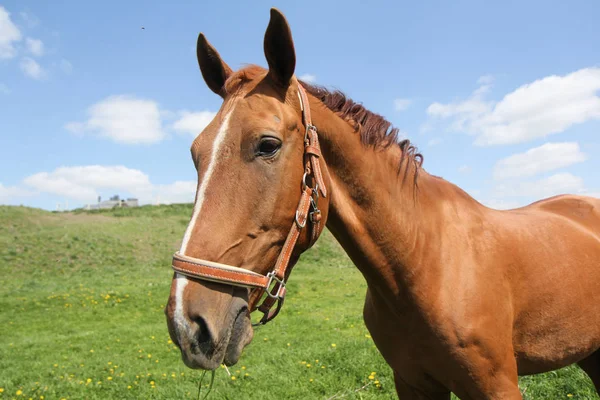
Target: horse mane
[{"x": 375, "y": 131}]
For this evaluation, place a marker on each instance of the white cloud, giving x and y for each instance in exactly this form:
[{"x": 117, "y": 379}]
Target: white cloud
[
  {"x": 4, "y": 89},
  {"x": 502, "y": 204},
  {"x": 434, "y": 142},
  {"x": 35, "y": 46},
  {"x": 401, "y": 104},
  {"x": 124, "y": 119},
  {"x": 10, "y": 194},
  {"x": 176, "y": 192},
  {"x": 560, "y": 183},
  {"x": 547, "y": 157},
  {"x": 9, "y": 35},
  {"x": 32, "y": 69},
  {"x": 65, "y": 66},
  {"x": 485, "y": 80},
  {"x": 308, "y": 78},
  {"x": 193, "y": 123},
  {"x": 85, "y": 183},
  {"x": 464, "y": 169},
  {"x": 535, "y": 110}
]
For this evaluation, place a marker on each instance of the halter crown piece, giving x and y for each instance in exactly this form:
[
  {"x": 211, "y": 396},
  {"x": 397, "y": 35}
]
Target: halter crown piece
[{"x": 273, "y": 283}]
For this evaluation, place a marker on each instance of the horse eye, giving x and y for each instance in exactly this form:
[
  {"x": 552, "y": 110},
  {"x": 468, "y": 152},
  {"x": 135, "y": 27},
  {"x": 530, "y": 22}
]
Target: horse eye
[{"x": 268, "y": 146}]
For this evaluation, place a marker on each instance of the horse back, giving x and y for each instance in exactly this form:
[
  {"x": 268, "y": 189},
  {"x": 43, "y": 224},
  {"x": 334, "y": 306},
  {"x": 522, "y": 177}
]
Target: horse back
[{"x": 583, "y": 210}]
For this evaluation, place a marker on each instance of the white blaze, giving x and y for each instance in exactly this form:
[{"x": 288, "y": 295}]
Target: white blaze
[{"x": 181, "y": 280}]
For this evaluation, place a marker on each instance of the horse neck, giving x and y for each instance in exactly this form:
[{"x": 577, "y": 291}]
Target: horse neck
[{"x": 385, "y": 224}]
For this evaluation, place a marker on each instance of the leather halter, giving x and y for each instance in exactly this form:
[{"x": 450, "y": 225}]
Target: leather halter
[{"x": 273, "y": 283}]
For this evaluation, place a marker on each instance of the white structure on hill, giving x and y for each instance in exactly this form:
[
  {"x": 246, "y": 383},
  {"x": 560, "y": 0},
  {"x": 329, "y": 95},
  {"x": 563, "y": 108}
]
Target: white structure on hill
[{"x": 113, "y": 202}]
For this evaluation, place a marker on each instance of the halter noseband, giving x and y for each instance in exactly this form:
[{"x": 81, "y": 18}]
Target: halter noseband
[{"x": 273, "y": 283}]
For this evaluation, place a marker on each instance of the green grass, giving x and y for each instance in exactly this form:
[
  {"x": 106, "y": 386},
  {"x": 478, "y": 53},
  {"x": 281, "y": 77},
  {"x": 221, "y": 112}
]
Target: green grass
[{"x": 82, "y": 299}]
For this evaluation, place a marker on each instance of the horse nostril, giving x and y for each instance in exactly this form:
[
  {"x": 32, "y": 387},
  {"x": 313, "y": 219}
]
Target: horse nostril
[{"x": 204, "y": 336}]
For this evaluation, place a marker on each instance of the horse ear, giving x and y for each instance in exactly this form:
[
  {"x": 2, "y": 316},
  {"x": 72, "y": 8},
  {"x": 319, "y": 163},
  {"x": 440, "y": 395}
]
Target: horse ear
[
  {"x": 279, "y": 49},
  {"x": 214, "y": 70}
]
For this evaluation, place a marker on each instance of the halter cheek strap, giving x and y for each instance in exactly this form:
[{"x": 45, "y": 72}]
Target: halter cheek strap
[{"x": 307, "y": 212}]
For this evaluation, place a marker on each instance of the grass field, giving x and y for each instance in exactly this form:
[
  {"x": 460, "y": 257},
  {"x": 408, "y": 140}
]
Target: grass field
[{"x": 82, "y": 297}]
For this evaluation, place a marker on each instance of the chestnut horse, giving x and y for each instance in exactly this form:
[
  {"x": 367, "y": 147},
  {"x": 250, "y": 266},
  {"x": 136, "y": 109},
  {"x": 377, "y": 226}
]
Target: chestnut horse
[{"x": 461, "y": 298}]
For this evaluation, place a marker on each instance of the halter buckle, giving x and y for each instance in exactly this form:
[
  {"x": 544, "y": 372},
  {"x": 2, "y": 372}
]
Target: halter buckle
[{"x": 280, "y": 290}]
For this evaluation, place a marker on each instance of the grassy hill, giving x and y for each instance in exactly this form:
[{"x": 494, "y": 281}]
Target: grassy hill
[{"x": 82, "y": 297}]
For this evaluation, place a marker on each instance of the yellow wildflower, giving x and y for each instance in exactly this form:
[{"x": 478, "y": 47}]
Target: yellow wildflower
[
  {"x": 333, "y": 345},
  {"x": 19, "y": 392},
  {"x": 233, "y": 378}
]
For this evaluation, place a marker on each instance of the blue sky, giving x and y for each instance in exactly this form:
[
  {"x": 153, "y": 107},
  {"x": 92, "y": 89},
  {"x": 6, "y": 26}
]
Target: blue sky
[{"x": 502, "y": 98}]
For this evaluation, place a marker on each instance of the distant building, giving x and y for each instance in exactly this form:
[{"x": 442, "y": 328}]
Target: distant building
[{"x": 114, "y": 202}]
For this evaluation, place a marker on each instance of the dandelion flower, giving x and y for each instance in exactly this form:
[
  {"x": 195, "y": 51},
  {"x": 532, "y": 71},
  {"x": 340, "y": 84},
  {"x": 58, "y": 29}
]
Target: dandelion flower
[
  {"x": 19, "y": 392},
  {"x": 333, "y": 345},
  {"x": 233, "y": 378}
]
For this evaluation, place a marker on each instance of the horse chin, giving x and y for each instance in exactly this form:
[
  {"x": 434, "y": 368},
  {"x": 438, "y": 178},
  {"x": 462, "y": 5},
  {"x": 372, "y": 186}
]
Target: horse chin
[{"x": 241, "y": 336}]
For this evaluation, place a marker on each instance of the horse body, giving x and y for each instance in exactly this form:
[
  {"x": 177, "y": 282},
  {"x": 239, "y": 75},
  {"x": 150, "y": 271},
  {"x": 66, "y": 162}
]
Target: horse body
[
  {"x": 452, "y": 282},
  {"x": 461, "y": 298}
]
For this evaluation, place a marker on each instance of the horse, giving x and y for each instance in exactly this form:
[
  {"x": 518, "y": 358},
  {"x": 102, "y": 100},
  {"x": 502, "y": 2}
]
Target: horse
[{"x": 461, "y": 298}]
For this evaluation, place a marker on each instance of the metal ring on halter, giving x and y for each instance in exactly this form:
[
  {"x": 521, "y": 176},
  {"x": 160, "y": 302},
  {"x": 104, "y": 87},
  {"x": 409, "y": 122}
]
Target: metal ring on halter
[{"x": 305, "y": 185}]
